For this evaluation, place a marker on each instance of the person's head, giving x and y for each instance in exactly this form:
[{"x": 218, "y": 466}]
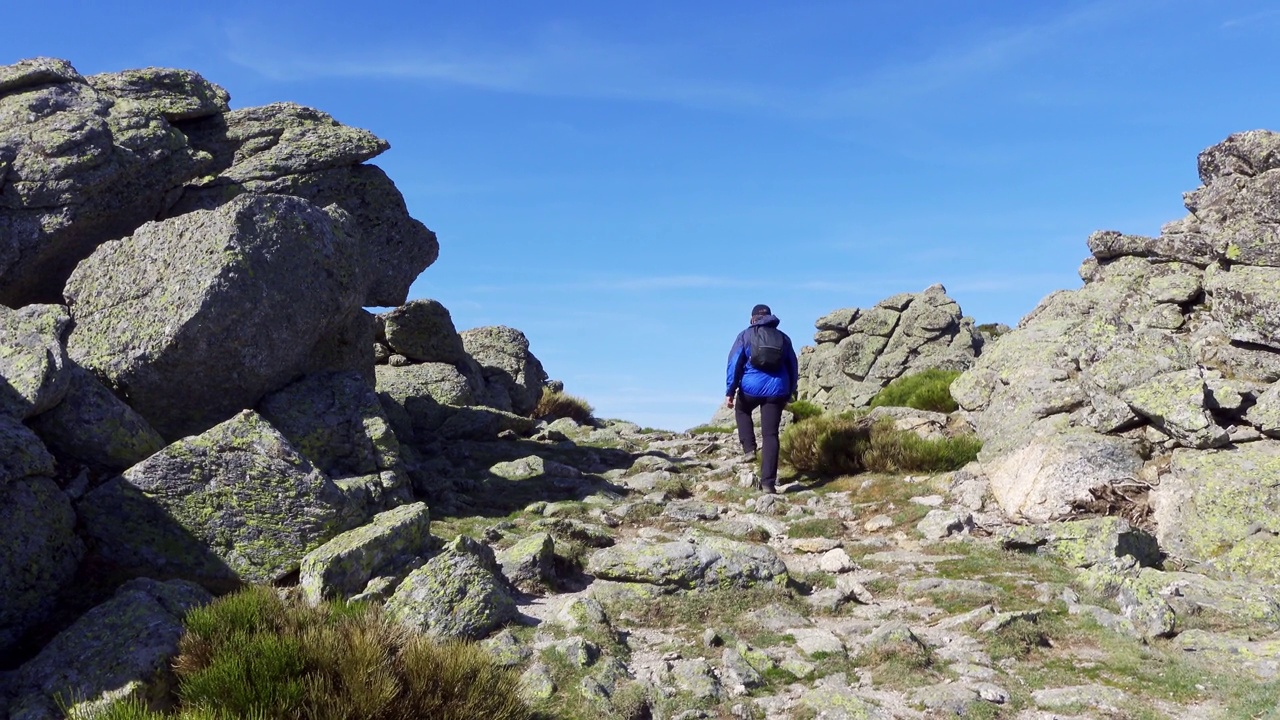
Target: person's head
[{"x": 760, "y": 311}]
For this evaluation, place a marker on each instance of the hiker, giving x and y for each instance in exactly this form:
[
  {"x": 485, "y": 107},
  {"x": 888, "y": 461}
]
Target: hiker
[{"x": 764, "y": 373}]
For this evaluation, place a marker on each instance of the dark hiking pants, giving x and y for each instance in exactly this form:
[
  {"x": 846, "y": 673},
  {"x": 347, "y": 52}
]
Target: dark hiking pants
[{"x": 770, "y": 418}]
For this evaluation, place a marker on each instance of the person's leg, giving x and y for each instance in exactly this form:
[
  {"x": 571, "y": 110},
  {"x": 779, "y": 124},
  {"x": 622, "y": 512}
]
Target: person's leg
[
  {"x": 742, "y": 408},
  {"x": 770, "y": 419}
]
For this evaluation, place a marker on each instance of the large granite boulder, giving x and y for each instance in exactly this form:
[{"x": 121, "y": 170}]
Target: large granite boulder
[
  {"x": 93, "y": 426},
  {"x": 335, "y": 420},
  {"x": 37, "y": 533},
  {"x": 33, "y": 359},
  {"x": 423, "y": 331},
  {"x": 235, "y": 504},
  {"x": 83, "y": 161},
  {"x": 1222, "y": 508},
  {"x": 459, "y": 593},
  {"x": 1047, "y": 478},
  {"x": 123, "y": 648},
  {"x": 288, "y": 149},
  {"x": 513, "y": 377},
  {"x": 1171, "y": 345},
  {"x": 184, "y": 317},
  {"x": 859, "y": 351}
]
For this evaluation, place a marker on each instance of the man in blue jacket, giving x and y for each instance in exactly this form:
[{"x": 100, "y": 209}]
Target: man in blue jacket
[{"x": 768, "y": 384}]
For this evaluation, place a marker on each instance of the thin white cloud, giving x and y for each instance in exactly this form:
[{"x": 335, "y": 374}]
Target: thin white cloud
[
  {"x": 557, "y": 62},
  {"x": 561, "y": 62},
  {"x": 1248, "y": 20}
]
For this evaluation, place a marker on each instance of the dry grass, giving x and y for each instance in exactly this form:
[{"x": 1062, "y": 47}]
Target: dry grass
[{"x": 555, "y": 405}]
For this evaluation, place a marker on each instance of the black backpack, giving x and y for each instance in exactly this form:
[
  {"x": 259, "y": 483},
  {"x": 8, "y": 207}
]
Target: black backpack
[{"x": 766, "y": 348}]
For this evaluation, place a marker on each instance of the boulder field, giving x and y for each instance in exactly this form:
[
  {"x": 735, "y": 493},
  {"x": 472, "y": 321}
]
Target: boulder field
[{"x": 195, "y": 398}]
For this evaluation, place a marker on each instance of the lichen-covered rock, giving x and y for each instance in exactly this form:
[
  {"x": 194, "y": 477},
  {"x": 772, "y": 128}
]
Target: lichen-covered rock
[
  {"x": 21, "y": 452},
  {"x": 336, "y": 421},
  {"x": 702, "y": 562},
  {"x": 1245, "y": 302},
  {"x": 121, "y": 648},
  {"x": 1221, "y": 506},
  {"x": 513, "y": 377},
  {"x": 1084, "y": 543},
  {"x": 1265, "y": 413},
  {"x": 93, "y": 426},
  {"x": 173, "y": 94},
  {"x": 530, "y": 563},
  {"x": 1043, "y": 480},
  {"x": 39, "y": 549},
  {"x": 456, "y": 594},
  {"x": 533, "y": 466},
  {"x": 182, "y": 317},
  {"x": 342, "y": 567},
  {"x": 288, "y": 149},
  {"x": 33, "y": 359},
  {"x": 901, "y": 335},
  {"x": 417, "y": 398},
  {"x": 1175, "y": 403},
  {"x": 423, "y": 331},
  {"x": 83, "y": 166},
  {"x": 235, "y": 504}
]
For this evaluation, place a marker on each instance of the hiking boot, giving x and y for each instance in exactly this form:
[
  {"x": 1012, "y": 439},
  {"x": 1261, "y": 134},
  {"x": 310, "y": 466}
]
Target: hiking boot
[
  {"x": 749, "y": 456},
  {"x": 769, "y": 487}
]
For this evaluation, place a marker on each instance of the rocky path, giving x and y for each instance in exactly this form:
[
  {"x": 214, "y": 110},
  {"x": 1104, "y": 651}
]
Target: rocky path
[{"x": 678, "y": 591}]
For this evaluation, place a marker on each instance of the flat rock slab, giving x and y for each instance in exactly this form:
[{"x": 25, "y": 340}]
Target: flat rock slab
[
  {"x": 342, "y": 567},
  {"x": 705, "y": 562}
]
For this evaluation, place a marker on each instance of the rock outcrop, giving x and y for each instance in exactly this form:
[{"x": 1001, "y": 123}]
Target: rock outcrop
[
  {"x": 1168, "y": 357},
  {"x": 859, "y": 351}
]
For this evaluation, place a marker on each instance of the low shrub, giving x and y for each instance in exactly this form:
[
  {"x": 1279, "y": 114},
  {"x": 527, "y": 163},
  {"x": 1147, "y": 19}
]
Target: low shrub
[
  {"x": 253, "y": 655},
  {"x": 711, "y": 430},
  {"x": 825, "y": 445},
  {"x": 894, "y": 450},
  {"x": 554, "y": 405},
  {"x": 844, "y": 445},
  {"x": 927, "y": 390},
  {"x": 803, "y": 410}
]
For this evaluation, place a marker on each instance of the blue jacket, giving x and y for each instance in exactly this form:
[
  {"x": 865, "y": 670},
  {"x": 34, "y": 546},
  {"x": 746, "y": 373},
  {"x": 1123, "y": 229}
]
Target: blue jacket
[{"x": 754, "y": 381}]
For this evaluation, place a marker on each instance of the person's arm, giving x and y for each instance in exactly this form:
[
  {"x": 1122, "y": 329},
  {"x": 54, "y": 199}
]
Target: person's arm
[{"x": 733, "y": 372}]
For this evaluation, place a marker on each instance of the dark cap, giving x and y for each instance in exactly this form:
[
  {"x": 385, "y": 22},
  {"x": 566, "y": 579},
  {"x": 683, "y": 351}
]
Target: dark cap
[{"x": 759, "y": 310}]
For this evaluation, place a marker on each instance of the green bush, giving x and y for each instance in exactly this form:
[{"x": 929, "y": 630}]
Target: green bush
[
  {"x": 825, "y": 445},
  {"x": 803, "y": 410},
  {"x": 711, "y": 430},
  {"x": 927, "y": 390},
  {"x": 903, "y": 451},
  {"x": 555, "y": 405},
  {"x": 845, "y": 445},
  {"x": 254, "y": 655}
]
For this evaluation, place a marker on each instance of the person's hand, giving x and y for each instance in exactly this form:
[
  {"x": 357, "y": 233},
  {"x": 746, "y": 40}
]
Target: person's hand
[{"x": 728, "y": 401}]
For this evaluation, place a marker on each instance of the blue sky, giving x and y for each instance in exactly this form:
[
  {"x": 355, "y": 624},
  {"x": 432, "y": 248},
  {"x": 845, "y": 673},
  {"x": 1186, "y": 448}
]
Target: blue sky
[{"x": 623, "y": 182}]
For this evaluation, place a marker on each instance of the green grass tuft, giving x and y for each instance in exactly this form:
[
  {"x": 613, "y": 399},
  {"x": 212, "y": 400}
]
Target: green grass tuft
[
  {"x": 831, "y": 446},
  {"x": 711, "y": 430},
  {"x": 803, "y": 409},
  {"x": 927, "y": 390}
]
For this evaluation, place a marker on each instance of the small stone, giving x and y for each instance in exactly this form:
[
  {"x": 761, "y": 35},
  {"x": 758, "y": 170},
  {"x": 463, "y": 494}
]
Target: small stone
[
  {"x": 836, "y": 561},
  {"x": 928, "y": 500},
  {"x": 877, "y": 523}
]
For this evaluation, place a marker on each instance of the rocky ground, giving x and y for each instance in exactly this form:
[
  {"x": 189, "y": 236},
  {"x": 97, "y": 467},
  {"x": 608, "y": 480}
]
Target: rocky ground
[{"x": 675, "y": 589}]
